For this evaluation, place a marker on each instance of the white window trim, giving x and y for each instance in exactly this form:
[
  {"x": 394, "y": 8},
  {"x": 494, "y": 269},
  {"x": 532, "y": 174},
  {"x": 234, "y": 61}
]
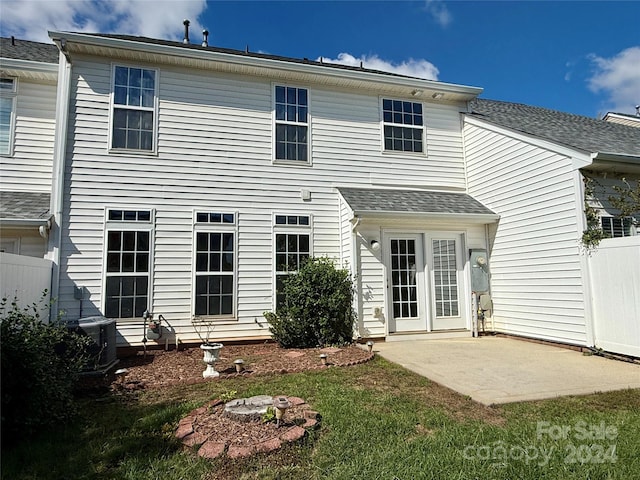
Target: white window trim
[
  {"x": 215, "y": 228},
  {"x": 633, "y": 231},
  {"x": 113, "y": 106},
  {"x": 13, "y": 95},
  {"x": 296, "y": 229},
  {"x": 283, "y": 162},
  {"x": 383, "y": 151},
  {"x": 128, "y": 226}
]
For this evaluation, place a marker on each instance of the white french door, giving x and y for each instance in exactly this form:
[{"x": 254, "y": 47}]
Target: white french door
[
  {"x": 406, "y": 283},
  {"x": 448, "y": 307}
]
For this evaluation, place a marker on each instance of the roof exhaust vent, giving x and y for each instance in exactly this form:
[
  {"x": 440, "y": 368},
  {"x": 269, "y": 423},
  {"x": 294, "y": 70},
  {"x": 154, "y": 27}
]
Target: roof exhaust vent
[
  {"x": 186, "y": 31},
  {"x": 205, "y": 38},
  {"x": 637, "y": 110}
]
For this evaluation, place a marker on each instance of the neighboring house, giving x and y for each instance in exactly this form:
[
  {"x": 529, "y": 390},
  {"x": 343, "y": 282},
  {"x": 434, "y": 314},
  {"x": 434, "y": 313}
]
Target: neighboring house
[
  {"x": 190, "y": 180},
  {"x": 529, "y": 165},
  {"x": 28, "y": 73},
  {"x": 623, "y": 118}
]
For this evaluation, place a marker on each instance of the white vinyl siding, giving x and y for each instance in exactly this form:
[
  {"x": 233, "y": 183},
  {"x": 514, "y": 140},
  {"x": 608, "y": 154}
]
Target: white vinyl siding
[
  {"x": 536, "y": 279},
  {"x": 29, "y": 165},
  {"x": 215, "y": 148}
]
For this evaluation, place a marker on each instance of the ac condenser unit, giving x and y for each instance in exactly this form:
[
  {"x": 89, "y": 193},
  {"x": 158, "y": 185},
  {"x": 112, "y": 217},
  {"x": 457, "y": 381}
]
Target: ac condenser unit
[{"x": 102, "y": 350}]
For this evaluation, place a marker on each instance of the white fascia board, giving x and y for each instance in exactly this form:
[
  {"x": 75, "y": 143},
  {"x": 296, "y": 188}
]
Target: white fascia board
[
  {"x": 25, "y": 222},
  {"x": 267, "y": 63},
  {"x": 29, "y": 65},
  {"x": 466, "y": 218},
  {"x": 579, "y": 158}
]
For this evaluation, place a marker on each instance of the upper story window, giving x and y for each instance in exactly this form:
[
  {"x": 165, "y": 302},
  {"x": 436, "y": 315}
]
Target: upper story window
[
  {"x": 614, "y": 227},
  {"x": 7, "y": 114},
  {"x": 134, "y": 109},
  {"x": 292, "y": 123},
  {"x": 403, "y": 126}
]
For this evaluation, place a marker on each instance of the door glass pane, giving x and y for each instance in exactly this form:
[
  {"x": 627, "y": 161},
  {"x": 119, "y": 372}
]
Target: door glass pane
[
  {"x": 445, "y": 278},
  {"x": 403, "y": 274}
]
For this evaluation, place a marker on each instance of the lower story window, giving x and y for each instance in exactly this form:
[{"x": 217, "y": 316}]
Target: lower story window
[
  {"x": 215, "y": 265},
  {"x": 292, "y": 249},
  {"x": 614, "y": 227},
  {"x": 127, "y": 283}
]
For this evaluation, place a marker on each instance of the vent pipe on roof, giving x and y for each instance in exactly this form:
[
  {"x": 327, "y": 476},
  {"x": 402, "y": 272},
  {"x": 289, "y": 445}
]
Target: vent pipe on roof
[
  {"x": 186, "y": 31},
  {"x": 13, "y": 41},
  {"x": 205, "y": 38},
  {"x": 637, "y": 110}
]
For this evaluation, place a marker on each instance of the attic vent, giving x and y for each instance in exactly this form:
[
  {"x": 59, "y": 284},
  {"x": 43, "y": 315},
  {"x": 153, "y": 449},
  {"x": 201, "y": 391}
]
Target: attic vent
[{"x": 186, "y": 31}]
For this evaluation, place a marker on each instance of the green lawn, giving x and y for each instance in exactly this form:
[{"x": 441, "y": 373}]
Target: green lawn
[{"x": 379, "y": 421}]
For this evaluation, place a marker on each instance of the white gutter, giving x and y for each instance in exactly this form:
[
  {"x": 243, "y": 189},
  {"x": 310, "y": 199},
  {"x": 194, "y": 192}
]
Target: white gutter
[
  {"x": 267, "y": 63},
  {"x": 29, "y": 65},
  {"x": 57, "y": 182},
  {"x": 25, "y": 222},
  {"x": 479, "y": 218}
]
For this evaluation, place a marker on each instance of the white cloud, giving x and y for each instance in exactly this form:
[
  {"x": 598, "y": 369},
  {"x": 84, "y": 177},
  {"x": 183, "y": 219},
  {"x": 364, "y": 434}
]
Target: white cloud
[
  {"x": 619, "y": 78},
  {"x": 439, "y": 12},
  {"x": 411, "y": 67},
  {"x": 31, "y": 19}
]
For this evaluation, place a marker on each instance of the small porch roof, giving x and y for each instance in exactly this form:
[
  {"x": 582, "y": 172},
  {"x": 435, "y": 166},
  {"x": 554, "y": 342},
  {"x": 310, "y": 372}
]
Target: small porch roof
[
  {"x": 24, "y": 209},
  {"x": 377, "y": 202}
]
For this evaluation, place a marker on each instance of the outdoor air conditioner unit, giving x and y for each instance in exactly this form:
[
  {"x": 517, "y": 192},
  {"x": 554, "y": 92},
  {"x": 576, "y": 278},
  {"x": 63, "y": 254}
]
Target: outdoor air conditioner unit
[{"x": 102, "y": 349}]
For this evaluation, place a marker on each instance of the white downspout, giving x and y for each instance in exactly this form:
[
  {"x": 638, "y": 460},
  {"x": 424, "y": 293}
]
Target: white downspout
[
  {"x": 63, "y": 95},
  {"x": 355, "y": 255}
]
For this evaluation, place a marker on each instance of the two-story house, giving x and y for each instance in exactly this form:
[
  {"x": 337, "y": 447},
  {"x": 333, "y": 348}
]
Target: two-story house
[{"x": 189, "y": 180}]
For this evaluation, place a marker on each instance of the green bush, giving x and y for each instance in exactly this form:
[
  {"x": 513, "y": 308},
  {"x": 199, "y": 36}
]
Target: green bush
[
  {"x": 40, "y": 366},
  {"x": 317, "y": 309}
]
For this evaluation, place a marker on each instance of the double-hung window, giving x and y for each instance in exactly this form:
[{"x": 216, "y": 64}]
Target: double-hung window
[
  {"x": 614, "y": 227},
  {"x": 291, "y": 123},
  {"x": 8, "y": 89},
  {"x": 215, "y": 264},
  {"x": 292, "y": 248},
  {"x": 134, "y": 109},
  {"x": 128, "y": 262},
  {"x": 403, "y": 126}
]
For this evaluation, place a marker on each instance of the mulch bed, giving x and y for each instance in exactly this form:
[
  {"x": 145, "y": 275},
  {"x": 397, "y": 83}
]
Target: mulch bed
[{"x": 160, "y": 368}]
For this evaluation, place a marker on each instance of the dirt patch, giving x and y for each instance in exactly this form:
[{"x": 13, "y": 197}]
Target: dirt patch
[{"x": 160, "y": 368}]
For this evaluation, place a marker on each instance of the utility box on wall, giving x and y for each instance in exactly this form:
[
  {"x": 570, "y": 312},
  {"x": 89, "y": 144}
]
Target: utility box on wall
[{"x": 479, "y": 270}]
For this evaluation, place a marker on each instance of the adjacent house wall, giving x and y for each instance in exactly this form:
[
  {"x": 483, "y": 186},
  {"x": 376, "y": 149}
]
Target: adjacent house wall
[
  {"x": 29, "y": 168},
  {"x": 536, "y": 279},
  {"x": 214, "y": 154}
]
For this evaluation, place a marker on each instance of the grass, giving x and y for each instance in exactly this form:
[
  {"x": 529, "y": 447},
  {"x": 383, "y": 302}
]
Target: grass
[{"x": 379, "y": 421}]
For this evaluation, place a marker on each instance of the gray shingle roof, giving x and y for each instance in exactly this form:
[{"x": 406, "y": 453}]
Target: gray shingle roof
[
  {"x": 411, "y": 201},
  {"x": 24, "y": 205},
  {"x": 27, "y": 50},
  {"x": 244, "y": 53},
  {"x": 583, "y": 133}
]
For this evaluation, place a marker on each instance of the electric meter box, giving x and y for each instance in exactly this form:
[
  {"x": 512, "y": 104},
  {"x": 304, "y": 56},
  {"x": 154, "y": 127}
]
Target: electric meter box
[{"x": 479, "y": 270}]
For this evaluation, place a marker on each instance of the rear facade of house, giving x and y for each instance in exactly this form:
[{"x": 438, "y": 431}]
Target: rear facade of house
[
  {"x": 196, "y": 180},
  {"x": 189, "y": 181}
]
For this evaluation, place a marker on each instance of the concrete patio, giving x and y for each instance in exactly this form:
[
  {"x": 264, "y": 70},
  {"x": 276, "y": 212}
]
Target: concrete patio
[{"x": 494, "y": 370}]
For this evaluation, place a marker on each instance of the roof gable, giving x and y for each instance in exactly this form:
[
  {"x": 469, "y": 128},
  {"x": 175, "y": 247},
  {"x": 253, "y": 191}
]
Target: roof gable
[{"x": 582, "y": 133}]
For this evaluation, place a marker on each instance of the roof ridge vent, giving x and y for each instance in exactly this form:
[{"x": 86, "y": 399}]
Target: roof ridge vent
[{"x": 186, "y": 30}]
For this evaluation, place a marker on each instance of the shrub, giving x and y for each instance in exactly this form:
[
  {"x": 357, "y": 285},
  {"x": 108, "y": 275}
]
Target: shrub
[
  {"x": 318, "y": 308},
  {"x": 40, "y": 365}
]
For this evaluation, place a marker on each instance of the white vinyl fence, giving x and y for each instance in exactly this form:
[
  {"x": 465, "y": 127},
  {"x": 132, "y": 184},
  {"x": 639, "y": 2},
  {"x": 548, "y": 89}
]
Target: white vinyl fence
[
  {"x": 25, "y": 278},
  {"x": 615, "y": 285}
]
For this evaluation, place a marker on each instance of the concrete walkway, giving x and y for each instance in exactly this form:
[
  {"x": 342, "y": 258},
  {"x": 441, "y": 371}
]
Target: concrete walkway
[{"x": 494, "y": 370}]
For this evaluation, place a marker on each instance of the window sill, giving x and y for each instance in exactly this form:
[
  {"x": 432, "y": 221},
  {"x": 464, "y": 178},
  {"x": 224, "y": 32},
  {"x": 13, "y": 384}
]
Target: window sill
[
  {"x": 398, "y": 153},
  {"x": 137, "y": 153},
  {"x": 292, "y": 163}
]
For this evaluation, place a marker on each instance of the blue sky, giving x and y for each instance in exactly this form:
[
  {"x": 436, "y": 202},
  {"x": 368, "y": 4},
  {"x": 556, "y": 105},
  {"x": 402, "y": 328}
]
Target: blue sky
[{"x": 578, "y": 57}]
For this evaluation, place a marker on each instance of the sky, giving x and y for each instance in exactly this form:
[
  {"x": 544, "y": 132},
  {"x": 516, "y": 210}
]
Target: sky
[{"x": 581, "y": 57}]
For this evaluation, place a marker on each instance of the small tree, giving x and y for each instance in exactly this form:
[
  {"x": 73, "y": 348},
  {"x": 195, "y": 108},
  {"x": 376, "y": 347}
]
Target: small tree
[
  {"x": 40, "y": 366},
  {"x": 318, "y": 308}
]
